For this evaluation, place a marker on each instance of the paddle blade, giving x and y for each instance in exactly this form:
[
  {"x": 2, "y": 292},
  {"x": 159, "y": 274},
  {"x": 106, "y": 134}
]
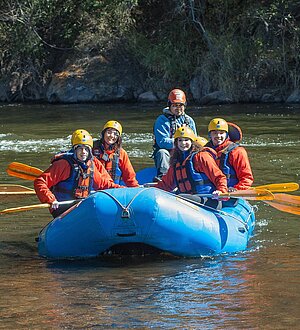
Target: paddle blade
[
  {"x": 285, "y": 208},
  {"x": 279, "y": 187},
  {"x": 286, "y": 203},
  {"x": 287, "y": 199},
  {"x": 23, "y": 171}
]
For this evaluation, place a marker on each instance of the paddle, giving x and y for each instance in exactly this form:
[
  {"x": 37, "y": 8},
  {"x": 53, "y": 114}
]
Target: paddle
[
  {"x": 15, "y": 189},
  {"x": 32, "y": 207},
  {"x": 23, "y": 171},
  {"x": 286, "y": 203},
  {"x": 279, "y": 187}
]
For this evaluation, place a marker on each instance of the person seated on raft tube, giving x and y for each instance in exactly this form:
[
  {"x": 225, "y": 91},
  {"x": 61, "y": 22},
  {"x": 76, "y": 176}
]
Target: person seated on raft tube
[
  {"x": 193, "y": 169},
  {"x": 112, "y": 156},
  {"x": 231, "y": 157},
  {"x": 72, "y": 175},
  {"x": 173, "y": 117}
]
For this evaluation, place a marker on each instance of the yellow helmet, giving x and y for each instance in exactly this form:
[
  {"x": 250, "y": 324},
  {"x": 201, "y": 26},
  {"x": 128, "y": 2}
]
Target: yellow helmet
[
  {"x": 185, "y": 132},
  {"x": 81, "y": 136},
  {"x": 218, "y": 124},
  {"x": 201, "y": 141},
  {"x": 113, "y": 124}
]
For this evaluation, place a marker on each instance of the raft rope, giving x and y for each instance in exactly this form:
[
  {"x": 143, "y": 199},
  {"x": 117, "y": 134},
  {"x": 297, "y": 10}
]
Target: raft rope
[
  {"x": 125, "y": 209},
  {"x": 217, "y": 211}
]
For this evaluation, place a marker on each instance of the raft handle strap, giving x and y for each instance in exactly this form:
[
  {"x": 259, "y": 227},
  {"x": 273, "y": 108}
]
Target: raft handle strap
[{"x": 125, "y": 209}]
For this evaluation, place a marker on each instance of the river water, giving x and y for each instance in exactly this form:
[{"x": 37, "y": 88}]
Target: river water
[{"x": 255, "y": 289}]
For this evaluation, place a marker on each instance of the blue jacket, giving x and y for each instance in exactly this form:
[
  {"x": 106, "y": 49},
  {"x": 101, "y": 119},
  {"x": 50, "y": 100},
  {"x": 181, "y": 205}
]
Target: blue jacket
[{"x": 165, "y": 127}]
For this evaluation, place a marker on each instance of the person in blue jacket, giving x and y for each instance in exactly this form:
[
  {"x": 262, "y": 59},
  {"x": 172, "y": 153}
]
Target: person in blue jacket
[{"x": 165, "y": 126}]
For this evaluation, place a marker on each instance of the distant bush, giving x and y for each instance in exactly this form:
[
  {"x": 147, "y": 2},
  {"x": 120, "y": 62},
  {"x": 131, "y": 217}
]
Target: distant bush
[{"x": 232, "y": 45}]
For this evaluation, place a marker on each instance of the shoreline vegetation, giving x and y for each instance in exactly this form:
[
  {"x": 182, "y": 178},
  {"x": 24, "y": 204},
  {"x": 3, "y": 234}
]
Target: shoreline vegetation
[{"x": 219, "y": 52}]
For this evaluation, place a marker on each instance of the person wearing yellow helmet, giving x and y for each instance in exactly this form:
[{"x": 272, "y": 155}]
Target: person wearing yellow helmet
[
  {"x": 193, "y": 169},
  {"x": 166, "y": 124},
  {"x": 231, "y": 157},
  {"x": 72, "y": 175},
  {"x": 108, "y": 149}
]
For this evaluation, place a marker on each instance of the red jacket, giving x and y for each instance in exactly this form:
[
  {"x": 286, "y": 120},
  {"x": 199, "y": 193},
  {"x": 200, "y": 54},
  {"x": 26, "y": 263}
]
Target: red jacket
[
  {"x": 239, "y": 161},
  {"x": 203, "y": 162},
  {"x": 60, "y": 170},
  {"x": 128, "y": 173}
]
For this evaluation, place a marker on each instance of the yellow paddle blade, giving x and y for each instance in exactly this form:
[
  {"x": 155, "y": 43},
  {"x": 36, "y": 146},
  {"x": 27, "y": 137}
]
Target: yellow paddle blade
[
  {"x": 292, "y": 200},
  {"x": 15, "y": 189},
  {"x": 23, "y": 171},
  {"x": 25, "y": 208},
  {"x": 21, "y": 175},
  {"x": 286, "y": 203},
  {"x": 279, "y": 187},
  {"x": 285, "y": 208},
  {"x": 251, "y": 194}
]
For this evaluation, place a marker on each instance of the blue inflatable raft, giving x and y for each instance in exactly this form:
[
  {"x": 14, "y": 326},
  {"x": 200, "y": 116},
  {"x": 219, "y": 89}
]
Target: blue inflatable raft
[{"x": 149, "y": 217}]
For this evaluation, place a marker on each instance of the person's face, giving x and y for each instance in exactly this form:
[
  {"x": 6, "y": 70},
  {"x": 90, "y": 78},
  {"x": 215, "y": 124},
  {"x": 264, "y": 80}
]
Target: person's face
[
  {"x": 111, "y": 136},
  {"x": 82, "y": 153},
  {"x": 177, "y": 109},
  {"x": 184, "y": 144},
  {"x": 218, "y": 137}
]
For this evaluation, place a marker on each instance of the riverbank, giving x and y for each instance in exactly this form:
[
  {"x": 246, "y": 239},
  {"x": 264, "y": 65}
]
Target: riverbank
[{"x": 94, "y": 80}]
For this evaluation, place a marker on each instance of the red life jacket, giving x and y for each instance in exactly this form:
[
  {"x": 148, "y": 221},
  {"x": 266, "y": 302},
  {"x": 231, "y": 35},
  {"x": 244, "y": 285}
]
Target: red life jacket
[
  {"x": 190, "y": 181},
  {"x": 80, "y": 182},
  {"x": 110, "y": 162}
]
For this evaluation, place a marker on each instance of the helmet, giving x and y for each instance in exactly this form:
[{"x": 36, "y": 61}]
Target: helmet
[
  {"x": 81, "y": 136},
  {"x": 113, "y": 124},
  {"x": 218, "y": 124},
  {"x": 176, "y": 96},
  {"x": 185, "y": 132},
  {"x": 202, "y": 141}
]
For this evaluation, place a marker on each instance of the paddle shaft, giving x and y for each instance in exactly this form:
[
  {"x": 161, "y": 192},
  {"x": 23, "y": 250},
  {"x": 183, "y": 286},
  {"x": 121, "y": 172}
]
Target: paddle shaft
[
  {"x": 249, "y": 194},
  {"x": 10, "y": 193},
  {"x": 35, "y": 206}
]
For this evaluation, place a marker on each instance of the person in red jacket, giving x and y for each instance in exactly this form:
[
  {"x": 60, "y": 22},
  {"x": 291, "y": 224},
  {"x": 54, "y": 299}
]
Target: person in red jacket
[
  {"x": 72, "y": 175},
  {"x": 232, "y": 158},
  {"x": 193, "y": 169},
  {"x": 113, "y": 157}
]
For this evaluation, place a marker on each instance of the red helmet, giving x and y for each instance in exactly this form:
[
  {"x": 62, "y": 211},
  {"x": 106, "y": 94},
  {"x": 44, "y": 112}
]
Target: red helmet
[{"x": 176, "y": 96}]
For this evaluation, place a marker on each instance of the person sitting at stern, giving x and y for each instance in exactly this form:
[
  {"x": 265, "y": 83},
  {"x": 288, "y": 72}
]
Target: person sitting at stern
[{"x": 165, "y": 126}]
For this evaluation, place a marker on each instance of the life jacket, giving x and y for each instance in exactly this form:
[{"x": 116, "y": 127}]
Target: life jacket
[
  {"x": 190, "y": 181},
  {"x": 80, "y": 182},
  {"x": 225, "y": 166},
  {"x": 173, "y": 125},
  {"x": 110, "y": 162}
]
